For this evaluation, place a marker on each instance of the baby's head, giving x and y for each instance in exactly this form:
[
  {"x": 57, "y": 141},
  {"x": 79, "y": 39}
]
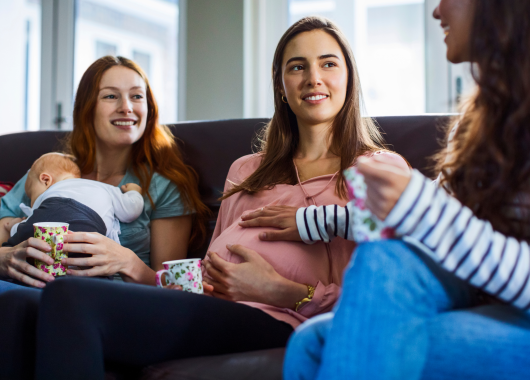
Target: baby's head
[{"x": 48, "y": 170}]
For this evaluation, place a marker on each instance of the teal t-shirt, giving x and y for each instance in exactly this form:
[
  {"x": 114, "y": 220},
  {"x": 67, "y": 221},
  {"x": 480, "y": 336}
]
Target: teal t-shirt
[{"x": 135, "y": 235}]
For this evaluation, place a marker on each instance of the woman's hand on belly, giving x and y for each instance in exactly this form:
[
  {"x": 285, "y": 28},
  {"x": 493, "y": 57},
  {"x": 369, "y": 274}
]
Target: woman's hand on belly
[
  {"x": 281, "y": 217},
  {"x": 253, "y": 280}
]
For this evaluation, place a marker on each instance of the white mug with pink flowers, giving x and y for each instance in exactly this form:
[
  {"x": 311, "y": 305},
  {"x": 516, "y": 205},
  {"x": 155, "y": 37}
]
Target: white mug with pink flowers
[
  {"x": 186, "y": 273},
  {"x": 53, "y": 234},
  {"x": 364, "y": 225}
]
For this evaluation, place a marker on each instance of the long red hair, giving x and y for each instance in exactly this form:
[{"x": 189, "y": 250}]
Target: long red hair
[{"x": 155, "y": 151}]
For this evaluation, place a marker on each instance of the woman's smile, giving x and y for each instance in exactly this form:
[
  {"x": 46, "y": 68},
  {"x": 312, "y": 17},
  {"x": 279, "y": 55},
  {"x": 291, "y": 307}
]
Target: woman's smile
[
  {"x": 124, "y": 124},
  {"x": 315, "y": 98}
]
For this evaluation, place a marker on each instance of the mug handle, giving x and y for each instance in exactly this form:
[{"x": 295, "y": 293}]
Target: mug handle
[{"x": 158, "y": 277}]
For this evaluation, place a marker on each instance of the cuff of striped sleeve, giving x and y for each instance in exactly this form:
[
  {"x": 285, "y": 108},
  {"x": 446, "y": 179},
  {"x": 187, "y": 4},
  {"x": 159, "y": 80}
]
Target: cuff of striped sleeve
[
  {"x": 403, "y": 212},
  {"x": 306, "y": 225}
]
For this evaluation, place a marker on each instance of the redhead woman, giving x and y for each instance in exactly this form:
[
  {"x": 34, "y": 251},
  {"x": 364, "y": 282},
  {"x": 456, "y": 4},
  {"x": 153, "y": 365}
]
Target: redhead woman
[
  {"x": 451, "y": 300},
  {"x": 257, "y": 291},
  {"x": 116, "y": 140}
]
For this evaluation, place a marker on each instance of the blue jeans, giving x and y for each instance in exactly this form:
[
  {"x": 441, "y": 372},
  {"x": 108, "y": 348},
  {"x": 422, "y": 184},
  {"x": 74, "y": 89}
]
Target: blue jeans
[
  {"x": 5, "y": 286},
  {"x": 403, "y": 317}
]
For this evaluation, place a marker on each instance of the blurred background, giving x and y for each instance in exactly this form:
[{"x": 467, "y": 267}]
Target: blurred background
[{"x": 211, "y": 59}]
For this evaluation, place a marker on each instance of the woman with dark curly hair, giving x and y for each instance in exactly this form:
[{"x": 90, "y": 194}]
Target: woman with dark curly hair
[{"x": 452, "y": 301}]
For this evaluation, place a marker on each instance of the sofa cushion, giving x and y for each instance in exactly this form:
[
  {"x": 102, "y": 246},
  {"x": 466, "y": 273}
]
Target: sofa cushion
[
  {"x": 5, "y": 187},
  {"x": 254, "y": 365}
]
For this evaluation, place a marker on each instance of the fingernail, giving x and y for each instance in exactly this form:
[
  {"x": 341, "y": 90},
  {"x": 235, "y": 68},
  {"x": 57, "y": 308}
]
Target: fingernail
[
  {"x": 263, "y": 236},
  {"x": 229, "y": 246}
]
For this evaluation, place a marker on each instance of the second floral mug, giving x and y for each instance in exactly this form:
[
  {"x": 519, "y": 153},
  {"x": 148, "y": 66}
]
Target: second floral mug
[
  {"x": 53, "y": 234},
  {"x": 186, "y": 273}
]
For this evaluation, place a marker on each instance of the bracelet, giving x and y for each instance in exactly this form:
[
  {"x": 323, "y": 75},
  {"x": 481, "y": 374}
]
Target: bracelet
[{"x": 310, "y": 294}]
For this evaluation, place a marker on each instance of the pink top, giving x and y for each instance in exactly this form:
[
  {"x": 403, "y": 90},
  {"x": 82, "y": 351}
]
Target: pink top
[{"x": 320, "y": 264}]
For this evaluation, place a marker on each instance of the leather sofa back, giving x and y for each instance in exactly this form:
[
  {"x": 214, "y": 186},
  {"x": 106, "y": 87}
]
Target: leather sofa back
[{"x": 210, "y": 147}]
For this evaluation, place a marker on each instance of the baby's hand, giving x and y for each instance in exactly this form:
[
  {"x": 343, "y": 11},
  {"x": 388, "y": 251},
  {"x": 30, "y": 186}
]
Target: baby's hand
[
  {"x": 131, "y": 187},
  {"x": 9, "y": 224}
]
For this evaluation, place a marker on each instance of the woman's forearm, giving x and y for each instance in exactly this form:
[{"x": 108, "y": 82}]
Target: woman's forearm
[
  {"x": 137, "y": 272},
  {"x": 285, "y": 293}
]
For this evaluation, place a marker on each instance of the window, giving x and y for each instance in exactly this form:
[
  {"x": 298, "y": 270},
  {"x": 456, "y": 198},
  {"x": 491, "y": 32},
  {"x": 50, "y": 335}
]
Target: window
[
  {"x": 103, "y": 49},
  {"x": 388, "y": 41},
  {"x": 144, "y": 60},
  {"x": 145, "y": 32},
  {"x": 20, "y": 35}
]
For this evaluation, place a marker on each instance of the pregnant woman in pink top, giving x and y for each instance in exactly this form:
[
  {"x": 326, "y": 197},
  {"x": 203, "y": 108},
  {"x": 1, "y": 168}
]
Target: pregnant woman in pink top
[
  {"x": 319, "y": 265},
  {"x": 315, "y": 133}
]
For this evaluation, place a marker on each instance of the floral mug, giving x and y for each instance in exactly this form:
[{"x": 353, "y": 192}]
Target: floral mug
[
  {"x": 365, "y": 225},
  {"x": 186, "y": 273},
  {"x": 53, "y": 234}
]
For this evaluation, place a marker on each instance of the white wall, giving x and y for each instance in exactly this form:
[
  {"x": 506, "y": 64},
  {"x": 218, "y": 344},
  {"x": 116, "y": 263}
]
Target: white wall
[
  {"x": 265, "y": 22},
  {"x": 214, "y": 64}
]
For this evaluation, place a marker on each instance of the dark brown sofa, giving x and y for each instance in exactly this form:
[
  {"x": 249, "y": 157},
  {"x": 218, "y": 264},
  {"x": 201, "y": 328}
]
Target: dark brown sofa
[{"x": 210, "y": 147}]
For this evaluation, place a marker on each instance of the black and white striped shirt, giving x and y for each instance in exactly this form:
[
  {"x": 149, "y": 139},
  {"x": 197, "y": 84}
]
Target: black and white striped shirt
[{"x": 460, "y": 242}]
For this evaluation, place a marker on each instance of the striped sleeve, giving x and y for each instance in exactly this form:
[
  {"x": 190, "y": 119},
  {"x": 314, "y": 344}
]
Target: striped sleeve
[
  {"x": 323, "y": 223},
  {"x": 463, "y": 244}
]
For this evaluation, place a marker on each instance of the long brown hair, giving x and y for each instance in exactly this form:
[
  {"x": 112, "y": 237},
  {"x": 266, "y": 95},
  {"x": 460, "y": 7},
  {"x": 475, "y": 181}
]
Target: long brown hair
[
  {"x": 350, "y": 134},
  {"x": 155, "y": 151},
  {"x": 489, "y": 163}
]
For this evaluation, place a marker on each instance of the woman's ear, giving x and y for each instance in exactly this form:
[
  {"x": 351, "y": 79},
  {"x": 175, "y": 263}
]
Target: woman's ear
[{"x": 46, "y": 179}]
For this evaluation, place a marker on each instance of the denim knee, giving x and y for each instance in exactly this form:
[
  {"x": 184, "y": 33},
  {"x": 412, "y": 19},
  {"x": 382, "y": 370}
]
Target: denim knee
[
  {"x": 312, "y": 332},
  {"x": 392, "y": 268},
  {"x": 304, "y": 349},
  {"x": 397, "y": 270},
  {"x": 387, "y": 258}
]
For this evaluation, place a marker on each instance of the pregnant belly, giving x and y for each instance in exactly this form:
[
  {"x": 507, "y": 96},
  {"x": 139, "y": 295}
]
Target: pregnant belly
[{"x": 296, "y": 261}]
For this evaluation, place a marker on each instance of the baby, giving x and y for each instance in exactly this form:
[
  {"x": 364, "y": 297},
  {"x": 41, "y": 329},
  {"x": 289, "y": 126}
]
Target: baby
[{"x": 58, "y": 194}]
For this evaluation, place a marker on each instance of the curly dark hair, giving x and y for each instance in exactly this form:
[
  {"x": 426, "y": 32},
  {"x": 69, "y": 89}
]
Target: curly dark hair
[{"x": 489, "y": 163}]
